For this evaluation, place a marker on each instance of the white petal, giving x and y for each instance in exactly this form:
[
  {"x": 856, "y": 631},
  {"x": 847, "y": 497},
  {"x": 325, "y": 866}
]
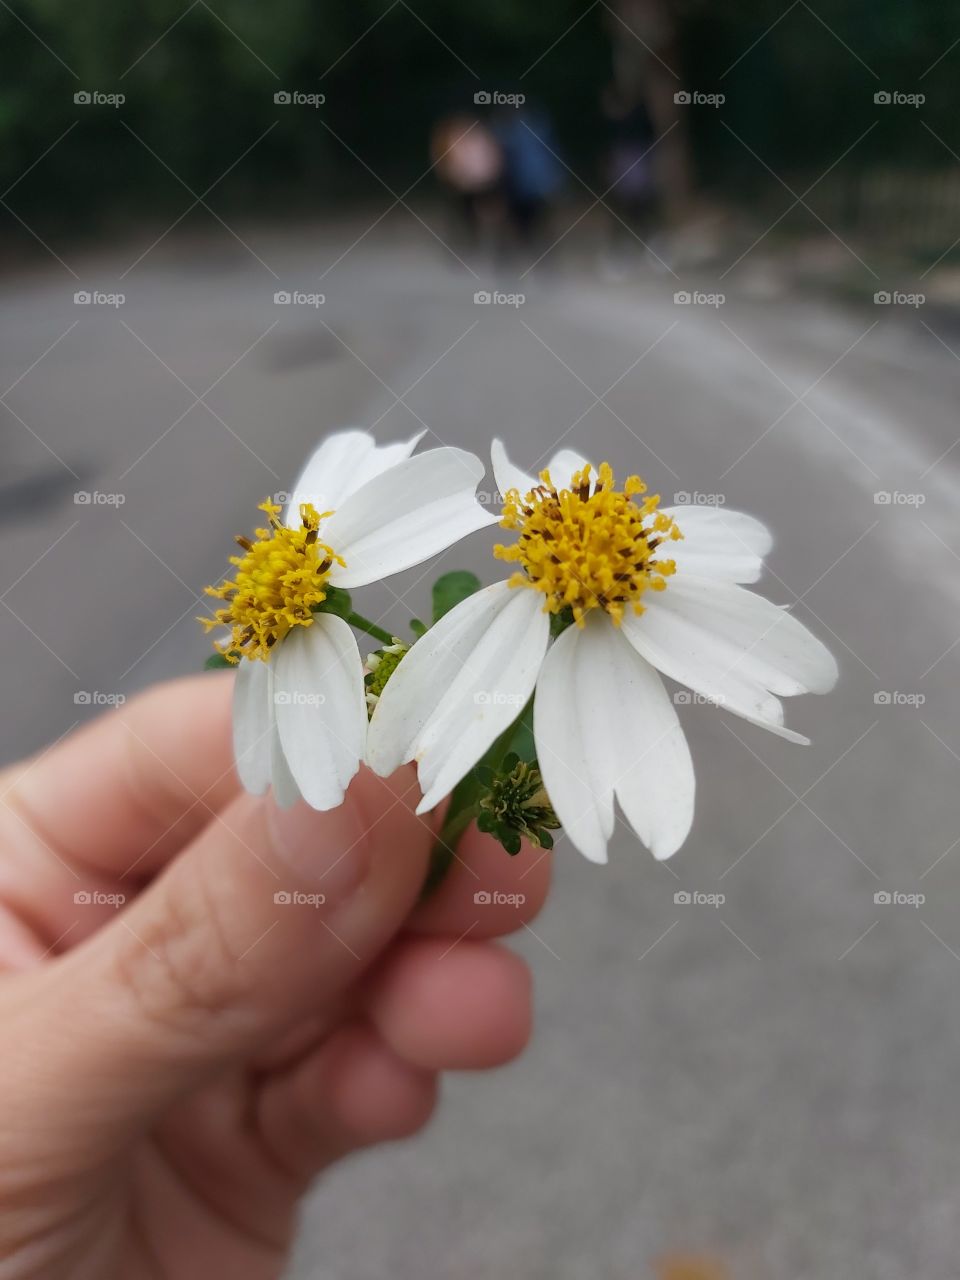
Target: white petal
[
  {"x": 486, "y": 696},
  {"x": 340, "y": 465},
  {"x": 423, "y": 677},
  {"x": 576, "y": 753},
  {"x": 285, "y": 789},
  {"x": 731, "y": 646},
  {"x": 252, "y": 724},
  {"x": 655, "y": 782},
  {"x": 417, "y": 509},
  {"x": 564, "y": 465},
  {"x": 320, "y": 709},
  {"x": 506, "y": 474},
  {"x": 717, "y": 543}
]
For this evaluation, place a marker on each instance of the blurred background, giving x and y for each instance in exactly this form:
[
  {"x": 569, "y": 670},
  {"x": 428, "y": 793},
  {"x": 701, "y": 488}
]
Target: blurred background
[{"x": 719, "y": 245}]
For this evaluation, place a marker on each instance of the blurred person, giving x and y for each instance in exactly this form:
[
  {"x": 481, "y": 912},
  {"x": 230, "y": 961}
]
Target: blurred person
[
  {"x": 533, "y": 174},
  {"x": 628, "y": 177},
  {"x": 468, "y": 161},
  {"x": 206, "y": 1000}
]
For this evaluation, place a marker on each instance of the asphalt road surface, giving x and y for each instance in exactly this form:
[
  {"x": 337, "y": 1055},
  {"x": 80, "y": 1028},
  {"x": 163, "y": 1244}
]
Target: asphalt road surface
[{"x": 771, "y": 1083}]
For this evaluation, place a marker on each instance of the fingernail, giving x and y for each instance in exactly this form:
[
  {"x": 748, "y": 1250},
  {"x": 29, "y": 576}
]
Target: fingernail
[{"x": 329, "y": 853}]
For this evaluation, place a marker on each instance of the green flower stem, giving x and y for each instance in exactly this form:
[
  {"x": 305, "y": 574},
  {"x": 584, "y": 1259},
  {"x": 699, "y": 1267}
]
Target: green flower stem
[
  {"x": 364, "y": 624},
  {"x": 465, "y": 805}
]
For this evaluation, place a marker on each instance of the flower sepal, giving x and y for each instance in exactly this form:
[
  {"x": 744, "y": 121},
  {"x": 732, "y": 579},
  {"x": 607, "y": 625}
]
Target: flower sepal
[{"x": 514, "y": 805}]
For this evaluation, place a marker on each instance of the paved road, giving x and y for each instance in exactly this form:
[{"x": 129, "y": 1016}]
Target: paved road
[{"x": 772, "y": 1082}]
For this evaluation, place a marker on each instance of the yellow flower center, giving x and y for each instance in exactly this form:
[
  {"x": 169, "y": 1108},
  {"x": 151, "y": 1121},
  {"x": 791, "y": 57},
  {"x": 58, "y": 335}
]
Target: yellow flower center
[
  {"x": 589, "y": 546},
  {"x": 280, "y": 579}
]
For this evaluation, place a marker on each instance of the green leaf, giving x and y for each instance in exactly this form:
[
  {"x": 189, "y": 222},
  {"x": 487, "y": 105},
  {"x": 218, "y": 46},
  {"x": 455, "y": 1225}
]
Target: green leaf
[
  {"x": 217, "y": 662},
  {"x": 418, "y": 628},
  {"x": 451, "y": 589},
  {"x": 336, "y": 601}
]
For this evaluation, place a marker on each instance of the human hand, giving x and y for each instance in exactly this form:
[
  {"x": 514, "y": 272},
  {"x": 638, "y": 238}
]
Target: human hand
[{"x": 176, "y": 1071}]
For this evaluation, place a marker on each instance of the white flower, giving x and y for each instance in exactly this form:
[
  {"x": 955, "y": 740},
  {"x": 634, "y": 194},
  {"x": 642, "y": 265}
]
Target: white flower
[
  {"x": 359, "y": 513},
  {"x": 650, "y": 590}
]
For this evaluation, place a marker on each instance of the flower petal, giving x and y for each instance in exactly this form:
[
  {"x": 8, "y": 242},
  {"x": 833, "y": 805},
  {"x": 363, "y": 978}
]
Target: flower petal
[
  {"x": 732, "y": 646},
  {"x": 285, "y": 789},
  {"x": 417, "y": 509},
  {"x": 252, "y": 725},
  {"x": 564, "y": 465},
  {"x": 655, "y": 783},
  {"x": 340, "y": 465},
  {"x": 605, "y": 728},
  {"x": 577, "y": 756},
  {"x": 506, "y": 474},
  {"x": 716, "y": 543},
  {"x": 459, "y": 688},
  {"x": 320, "y": 709}
]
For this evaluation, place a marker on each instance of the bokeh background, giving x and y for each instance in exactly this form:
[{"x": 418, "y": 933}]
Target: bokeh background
[{"x": 764, "y": 1088}]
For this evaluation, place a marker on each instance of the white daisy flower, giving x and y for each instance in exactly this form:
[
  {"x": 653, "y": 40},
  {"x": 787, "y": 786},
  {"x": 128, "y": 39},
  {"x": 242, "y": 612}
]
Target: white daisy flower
[
  {"x": 644, "y": 589},
  {"x": 358, "y": 513}
]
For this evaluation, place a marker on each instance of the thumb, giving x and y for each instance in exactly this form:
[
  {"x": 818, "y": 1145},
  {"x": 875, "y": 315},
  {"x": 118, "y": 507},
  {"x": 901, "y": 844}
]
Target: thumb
[{"x": 266, "y": 918}]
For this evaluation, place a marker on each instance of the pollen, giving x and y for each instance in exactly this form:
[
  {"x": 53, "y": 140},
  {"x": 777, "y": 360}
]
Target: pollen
[
  {"x": 279, "y": 580},
  {"x": 592, "y": 546}
]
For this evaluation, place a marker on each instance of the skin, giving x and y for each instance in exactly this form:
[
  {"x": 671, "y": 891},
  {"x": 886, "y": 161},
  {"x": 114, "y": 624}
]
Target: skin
[{"x": 177, "y": 1071}]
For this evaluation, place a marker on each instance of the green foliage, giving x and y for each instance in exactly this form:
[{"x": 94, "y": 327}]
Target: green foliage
[
  {"x": 451, "y": 589},
  {"x": 336, "y": 601}
]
